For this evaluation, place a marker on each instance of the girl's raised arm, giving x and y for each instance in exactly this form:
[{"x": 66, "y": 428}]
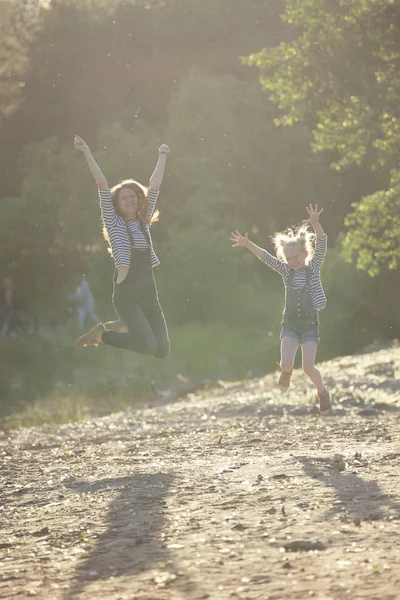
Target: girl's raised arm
[
  {"x": 243, "y": 240},
  {"x": 263, "y": 255},
  {"x": 321, "y": 241},
  {"x": 81, "y": 145}
]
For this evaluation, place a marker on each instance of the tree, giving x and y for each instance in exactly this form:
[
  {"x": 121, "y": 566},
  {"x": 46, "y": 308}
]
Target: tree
[
  {"x": 374, "y": 230},
  {"x": 57, "y": 218},
  {"x": 18, "y": 24},
  {"x": 340, "y": 76},
  {"x": 100, "y": 61}
]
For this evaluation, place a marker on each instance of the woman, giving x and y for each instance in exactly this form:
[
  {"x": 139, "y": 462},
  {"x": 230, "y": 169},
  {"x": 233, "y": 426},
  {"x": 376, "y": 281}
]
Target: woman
[{"x": 127, "y": 211}]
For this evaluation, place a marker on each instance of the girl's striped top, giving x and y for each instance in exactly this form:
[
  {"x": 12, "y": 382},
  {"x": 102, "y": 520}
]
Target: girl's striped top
[
  {"x": 299, "y": 277},
  {"x": 116, "y": 229}
]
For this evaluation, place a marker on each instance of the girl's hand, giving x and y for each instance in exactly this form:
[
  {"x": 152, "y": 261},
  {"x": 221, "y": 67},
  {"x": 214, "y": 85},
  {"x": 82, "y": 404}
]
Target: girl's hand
[
  {"x": 163, "y": 149},
  {"x": 313, "y": 214},
  {"x": 80, "y": 144},
  {"x": 239, "y": 239}
]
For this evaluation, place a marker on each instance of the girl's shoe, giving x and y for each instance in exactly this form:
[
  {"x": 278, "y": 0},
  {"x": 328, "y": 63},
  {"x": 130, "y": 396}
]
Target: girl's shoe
[
  {"x": 284, "y": 380},
  {"x": 325, "y": 407},
  {"x": 92, "y": 337}
]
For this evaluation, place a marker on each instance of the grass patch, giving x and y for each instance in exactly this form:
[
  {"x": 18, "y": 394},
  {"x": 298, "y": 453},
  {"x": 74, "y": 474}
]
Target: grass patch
[{"x": 49, "y": 381}]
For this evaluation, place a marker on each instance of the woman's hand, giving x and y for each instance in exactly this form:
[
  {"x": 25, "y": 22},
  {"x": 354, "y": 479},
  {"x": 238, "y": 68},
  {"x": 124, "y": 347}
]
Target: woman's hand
[
  {"x": 158, "y": 173},
  {"x": 239, "y": 239},
  {"x": 80, "y": 144},
  {"x": 163, "y": 149},
  {"x": 313, "y": 214}
]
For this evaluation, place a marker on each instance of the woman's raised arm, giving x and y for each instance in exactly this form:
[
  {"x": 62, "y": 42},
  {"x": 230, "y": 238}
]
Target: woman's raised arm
[
  {"x": 81, "y": 145},
  {"x": 158, "y": 173}
]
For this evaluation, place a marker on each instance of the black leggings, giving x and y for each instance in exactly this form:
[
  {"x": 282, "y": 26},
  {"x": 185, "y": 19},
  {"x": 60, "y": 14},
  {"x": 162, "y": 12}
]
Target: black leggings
[{"x": 137, "y": 305}]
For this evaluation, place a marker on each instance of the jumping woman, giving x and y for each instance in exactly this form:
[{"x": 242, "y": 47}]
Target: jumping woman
[
  {"x": 127, "y": 212},
  {"x": 299, "y": 265}
]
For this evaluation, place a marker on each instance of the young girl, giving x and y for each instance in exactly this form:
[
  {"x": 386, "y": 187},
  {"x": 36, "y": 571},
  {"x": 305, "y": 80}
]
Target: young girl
[
  {"x": 299, "y": 267},
  {"x": 127, "y": 211}
]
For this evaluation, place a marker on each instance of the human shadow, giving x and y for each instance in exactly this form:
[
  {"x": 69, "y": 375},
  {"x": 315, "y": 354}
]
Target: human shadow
[
  {"x": 356, "y": 498},
  {"x": 131, "y": 542}
]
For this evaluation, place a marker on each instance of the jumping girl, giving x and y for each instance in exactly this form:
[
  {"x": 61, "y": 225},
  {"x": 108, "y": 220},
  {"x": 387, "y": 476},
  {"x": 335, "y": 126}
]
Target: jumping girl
[
  {"x": 127, "y": 212},
  {"x": 299, "y": 265}
]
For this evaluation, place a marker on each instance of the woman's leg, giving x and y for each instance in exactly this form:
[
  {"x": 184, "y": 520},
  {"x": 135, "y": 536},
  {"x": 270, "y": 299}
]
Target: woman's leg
[
  {"x": 309, "y": 351},
  {"x": 117, "y": 325},
  {"x": 140, "y": 337},
  {"x": 142, "y": 340},
  {"x": 153, "y": 312}
]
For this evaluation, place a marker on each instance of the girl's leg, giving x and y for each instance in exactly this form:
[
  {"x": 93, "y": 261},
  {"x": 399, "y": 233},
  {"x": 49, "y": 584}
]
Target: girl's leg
[
  {"x": 289, "y": 346},
  {"x": 309, "y": 351}
]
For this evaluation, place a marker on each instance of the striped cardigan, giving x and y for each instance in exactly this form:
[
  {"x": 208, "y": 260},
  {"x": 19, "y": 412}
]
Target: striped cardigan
[
  {"x": 299, "y": 278},
  {"x": 116, "y": 229}
]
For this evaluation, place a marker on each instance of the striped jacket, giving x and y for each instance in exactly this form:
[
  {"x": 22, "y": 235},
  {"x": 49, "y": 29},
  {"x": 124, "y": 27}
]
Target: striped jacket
[
  {"x": 299, "y": 278},
  {"x": 116, "y": 229}
]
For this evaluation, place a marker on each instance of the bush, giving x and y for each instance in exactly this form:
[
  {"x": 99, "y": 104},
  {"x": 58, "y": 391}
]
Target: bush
[{"x": 30, "y": 368}]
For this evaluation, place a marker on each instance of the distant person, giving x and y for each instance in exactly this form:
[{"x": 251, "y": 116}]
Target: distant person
[
  {"x": 10, "y": 307},
  {"x": 85, "y": 306},
  {"x": 128, "y": 210},
  {"x": 299, "y": 265}
]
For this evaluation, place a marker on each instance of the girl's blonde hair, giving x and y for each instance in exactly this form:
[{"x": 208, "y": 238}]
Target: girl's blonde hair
[
  {"x": 301, "y": 236},
  {"x": 142, "y": 213}
]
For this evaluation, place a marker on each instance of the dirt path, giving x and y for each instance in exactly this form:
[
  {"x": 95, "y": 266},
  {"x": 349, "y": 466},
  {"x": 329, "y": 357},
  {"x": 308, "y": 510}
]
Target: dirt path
[{"x": 238, "y": 492}]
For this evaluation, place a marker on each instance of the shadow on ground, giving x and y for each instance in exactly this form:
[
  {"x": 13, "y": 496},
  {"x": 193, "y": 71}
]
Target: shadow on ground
[
  {"x": 356, "y": 498},
  {"x": 131, "y": 543}
]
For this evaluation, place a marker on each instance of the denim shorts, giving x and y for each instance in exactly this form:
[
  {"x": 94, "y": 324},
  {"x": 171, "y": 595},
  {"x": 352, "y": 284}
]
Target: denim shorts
[
  {"x": 302, "y": 330},
  {"x": 308, "y": 335}
]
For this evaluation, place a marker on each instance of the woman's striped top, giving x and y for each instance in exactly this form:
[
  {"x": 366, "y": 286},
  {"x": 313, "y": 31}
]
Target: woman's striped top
[
  {"x": 299, "y": 277},
  {"x": 116, "y": 229}
]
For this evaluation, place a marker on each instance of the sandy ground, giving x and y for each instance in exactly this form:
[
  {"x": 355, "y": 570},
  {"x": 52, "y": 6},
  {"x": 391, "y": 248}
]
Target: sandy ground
[{"x": 235, "y": 492}]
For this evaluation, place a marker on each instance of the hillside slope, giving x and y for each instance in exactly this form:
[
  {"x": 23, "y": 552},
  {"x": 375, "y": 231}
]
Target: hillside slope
[{"x": 234, "y": 492}]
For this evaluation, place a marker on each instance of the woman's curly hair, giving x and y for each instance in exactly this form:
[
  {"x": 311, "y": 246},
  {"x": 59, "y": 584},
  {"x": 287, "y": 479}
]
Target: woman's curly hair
[{"x": 142, "y": 213}]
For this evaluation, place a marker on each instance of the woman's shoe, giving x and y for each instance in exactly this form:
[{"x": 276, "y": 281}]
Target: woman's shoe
[{"x": 92, "y": 337}]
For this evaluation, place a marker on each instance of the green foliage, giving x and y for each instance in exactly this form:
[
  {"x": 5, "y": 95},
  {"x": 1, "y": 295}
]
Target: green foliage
[
  {"x": 215, "y": 181},
  {"x": 233, "y": 169},
  {"x": 340, "y": 75},
  {"x": 96, "y": 61},
  {"x": 18, "y": 25},
  {"x": 349, "y": 322},
  {"x": 374, "y": 230},
  {"x": 30, "y": 369},
  {"x": 49, "y": 381},
  {"x": 58, "y": 221}
]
